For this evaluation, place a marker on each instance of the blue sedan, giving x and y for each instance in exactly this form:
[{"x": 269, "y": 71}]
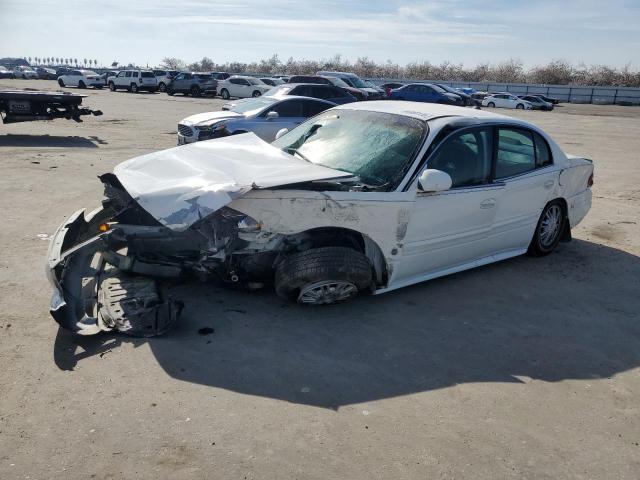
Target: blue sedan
[
  {"x": 425, "y": 92},
  {"x": 264, "y": 116}
]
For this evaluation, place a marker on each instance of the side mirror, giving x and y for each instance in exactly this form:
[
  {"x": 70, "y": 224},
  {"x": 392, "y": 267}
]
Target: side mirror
[
  {"x": 281, "y": 132},
  {"x": 433, "y": 180},
  {"x": 272, "y": 115}
]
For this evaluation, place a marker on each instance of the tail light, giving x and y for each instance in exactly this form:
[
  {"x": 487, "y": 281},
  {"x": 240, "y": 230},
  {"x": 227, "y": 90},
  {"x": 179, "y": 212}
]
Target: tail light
[{"x": 590, "y": 181}]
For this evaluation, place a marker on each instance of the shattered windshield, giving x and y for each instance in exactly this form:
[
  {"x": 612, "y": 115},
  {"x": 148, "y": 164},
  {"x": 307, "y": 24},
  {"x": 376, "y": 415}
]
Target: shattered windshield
[{"x": 376, "y": 147}]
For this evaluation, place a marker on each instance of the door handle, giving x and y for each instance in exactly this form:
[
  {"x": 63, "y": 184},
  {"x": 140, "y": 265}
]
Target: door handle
[
  {"x": 549, "y": 183},
  {"x": 488, "y": 203}
]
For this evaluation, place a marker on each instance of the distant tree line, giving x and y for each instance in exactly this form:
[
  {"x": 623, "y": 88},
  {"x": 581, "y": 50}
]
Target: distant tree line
[{"x": 557, "y": 72}]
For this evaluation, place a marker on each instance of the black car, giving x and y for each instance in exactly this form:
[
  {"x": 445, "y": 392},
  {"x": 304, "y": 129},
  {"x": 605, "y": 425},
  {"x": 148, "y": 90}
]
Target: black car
[
  {"x": 46, "y": 73},
  {"x": 553, "y": 101},
  {"x": 467, "y": 100},
  {"x": 5, "y": 72},
  {"x": 335, "y": 81},
  {"x": 314, "y": 90},
  {"x": 538, "y": 103}
]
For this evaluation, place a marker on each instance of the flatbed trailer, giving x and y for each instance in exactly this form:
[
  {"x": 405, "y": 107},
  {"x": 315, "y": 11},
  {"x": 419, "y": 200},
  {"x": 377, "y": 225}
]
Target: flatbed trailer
[{"x": 30, "y": 105}]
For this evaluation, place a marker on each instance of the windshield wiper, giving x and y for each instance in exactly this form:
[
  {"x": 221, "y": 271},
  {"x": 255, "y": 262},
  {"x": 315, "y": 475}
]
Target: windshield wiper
[{"x": 297, "y": 152}]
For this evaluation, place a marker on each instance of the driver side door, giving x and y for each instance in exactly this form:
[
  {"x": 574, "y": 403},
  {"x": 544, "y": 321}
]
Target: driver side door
[{"x": 447, "y": 230}]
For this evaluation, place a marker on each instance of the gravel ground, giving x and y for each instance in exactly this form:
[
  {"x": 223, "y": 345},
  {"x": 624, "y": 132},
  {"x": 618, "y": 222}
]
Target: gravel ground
[{"x": 528, "y": 368}]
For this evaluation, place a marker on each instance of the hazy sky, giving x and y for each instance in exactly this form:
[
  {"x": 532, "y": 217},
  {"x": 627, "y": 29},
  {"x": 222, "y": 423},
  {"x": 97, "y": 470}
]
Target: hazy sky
[{"x": 467, "y": 31}]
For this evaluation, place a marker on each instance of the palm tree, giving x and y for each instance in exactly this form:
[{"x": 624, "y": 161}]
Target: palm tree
[
  {"x": 95, "y": 63},
  {"x": 75, "y": 60}
]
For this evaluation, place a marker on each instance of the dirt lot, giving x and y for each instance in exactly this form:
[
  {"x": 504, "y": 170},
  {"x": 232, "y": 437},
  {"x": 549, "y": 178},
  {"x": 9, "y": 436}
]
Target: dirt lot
[{"x": 529, "y": 368}]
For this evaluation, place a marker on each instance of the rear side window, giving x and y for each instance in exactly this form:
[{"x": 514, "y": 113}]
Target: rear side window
[
  {"x": 311, "y": 108},
  {"x": 289, "y": 108},
  {"x": 147, "y": 75},
  {"x": 543, "y": 152},
  {"x": 134, "y": 74},
  {"x": 127, "y": 74},
  {"x": 516, "y": 152}
]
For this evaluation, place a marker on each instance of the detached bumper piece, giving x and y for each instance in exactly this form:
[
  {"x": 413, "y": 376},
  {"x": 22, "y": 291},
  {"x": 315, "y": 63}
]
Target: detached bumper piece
[
  {"x": 25, "y": 106},
  {"x": 91, "y": 296}
]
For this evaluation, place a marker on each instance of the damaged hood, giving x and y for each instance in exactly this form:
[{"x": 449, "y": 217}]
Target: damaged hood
[
  {"x": 181, "y": 185},
  {"x": 209, "y": 117}
]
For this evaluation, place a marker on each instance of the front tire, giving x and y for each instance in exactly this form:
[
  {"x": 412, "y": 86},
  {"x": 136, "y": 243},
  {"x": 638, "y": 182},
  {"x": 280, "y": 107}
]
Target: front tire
[
  {"x": 162, "y": 87},
  {"x": 112, "y": 86},
  {"x": 224, "y": 93},
  {"x": 491, "y": 105},
  {"x": 60, "y": 82},
  {"x": 134, "y": 88},
  {"x": 549, "y": 230},
  {"x": 81, "y": 84},
  {"x": 519, "y": 106},
  {"x": 256, "y": 93},
  {"x": 195, "y": 91},
  {"x": 323, "y": 276}
]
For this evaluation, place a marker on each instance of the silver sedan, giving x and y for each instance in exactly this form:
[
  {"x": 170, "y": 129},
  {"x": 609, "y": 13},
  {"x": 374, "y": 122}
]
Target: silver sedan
[{"x": 264, "y": 116}]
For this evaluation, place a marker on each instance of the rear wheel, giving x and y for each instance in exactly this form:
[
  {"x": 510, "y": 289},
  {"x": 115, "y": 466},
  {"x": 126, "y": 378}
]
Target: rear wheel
[
  {"x": 322, "y": 276},
  {"x": 519, "y": 106},
  {"x": 170, "y": 91},
  {"x": 195, "y": 91},
  {"x": 224, "y": 93},
  {"x": 162, "y": 87},
  {"x": 112, "y": 86},
  {"x": 60, "y": 82},
  {"x": 134, "y": 88},
  {"x": 491, "y": 105},
  {"x": 81, "y": 84},
  {"x": 549, "y": 229},
  {"x": 256, "y": 93}
]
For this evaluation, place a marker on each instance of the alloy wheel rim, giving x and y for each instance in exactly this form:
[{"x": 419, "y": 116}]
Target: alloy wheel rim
[
  {"x": 550, "y": 226},
  {"x": 324, "y": 293}
]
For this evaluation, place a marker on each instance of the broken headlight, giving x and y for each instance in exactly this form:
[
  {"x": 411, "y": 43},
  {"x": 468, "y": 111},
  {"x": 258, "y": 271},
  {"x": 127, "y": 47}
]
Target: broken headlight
[{"x": 244, "y": 223}]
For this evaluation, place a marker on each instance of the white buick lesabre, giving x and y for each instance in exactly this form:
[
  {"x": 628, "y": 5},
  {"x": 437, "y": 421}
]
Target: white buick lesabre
[{"x": 364, "y": 197}]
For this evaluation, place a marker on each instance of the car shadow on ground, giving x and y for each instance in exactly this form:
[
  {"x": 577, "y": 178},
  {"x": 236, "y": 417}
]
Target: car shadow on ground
[
  {"x": 11, "y": 140},
  {"x": 571, "y": 315}
]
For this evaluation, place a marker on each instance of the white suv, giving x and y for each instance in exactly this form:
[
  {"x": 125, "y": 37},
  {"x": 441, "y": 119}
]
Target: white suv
[
  {"x": 242, "y": 87},
  {"x": 134, "y": 81}
]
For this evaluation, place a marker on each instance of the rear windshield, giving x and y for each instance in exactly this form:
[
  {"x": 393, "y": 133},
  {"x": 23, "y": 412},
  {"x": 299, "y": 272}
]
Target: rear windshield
[
  {"x": 202, "y": 76},
  {"x": 147, "y": 75}
]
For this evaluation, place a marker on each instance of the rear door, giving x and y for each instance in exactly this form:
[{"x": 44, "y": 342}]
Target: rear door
[
  {"x": 290, "y": 114},
  {"x": 525, "y": 166}
]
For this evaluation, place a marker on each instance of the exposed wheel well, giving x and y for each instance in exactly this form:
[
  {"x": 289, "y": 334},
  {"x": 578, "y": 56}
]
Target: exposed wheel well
[
  {"x": 566, "y": 234},
  {"x": 344, "y": 237}
]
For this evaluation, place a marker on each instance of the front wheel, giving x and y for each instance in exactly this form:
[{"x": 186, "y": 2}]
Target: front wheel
[
  {"x": 134, "y": 88},
  {"x": 195, "y": 91},
  {"x": 81, "y": 84},
  {"x": 323, "y": 276},
  {"x": 162, "y": 87},
  {"x": 60, "y": 82},
  {"x": 549, "y": 229},
  {"x": 112, "y": 86},
  {"x": 224, "y": 93},
  {"x": 519, "y": 106},
  {"x": 491, "y": 105},
  {"x": 256, "y": 93}
]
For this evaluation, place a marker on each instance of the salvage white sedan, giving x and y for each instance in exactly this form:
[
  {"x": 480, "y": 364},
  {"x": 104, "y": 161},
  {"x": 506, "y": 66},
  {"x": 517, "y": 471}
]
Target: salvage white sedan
[{"x": 364, "y": 197}]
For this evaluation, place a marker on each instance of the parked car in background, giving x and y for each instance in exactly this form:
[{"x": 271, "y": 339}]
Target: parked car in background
[
  {"x": 370, "y": 84},
  {"x": 5, "y": 73},
  {"x": 390, "y": 86},
  {"x": 45, "y": 73},
  {"x": 24, "y": 72},
  {"x": 328, "y": 80},
  {"x": 81, "y": 79},
  {"x": 425, "y": 92},
  {"x": 164, "y": 77},
  {"x": 62, "y": 71},
  {"x": 537, "y": 103},
  {"x": 274, "y": 82},
  {"x": 264, "y": 116},
  {"x": 467, "y": 100},
  {"x": 367, "y": 197},
  {"x": 356, "y": 82},
  {"x": 505, "y": 100},
  {"x": 324, "y": 92},
  {"x": 468, "y": 90},
  {"x": 551, "y": 100},
  {"x": 240, "y": 86},
  {"x": 109, "y": 73},
  {"x": 195, "y": 84},
  {"x": 479, "y": 95},
  {"x": 220, "y": 75},
  {"x": 133, "y": 81}
]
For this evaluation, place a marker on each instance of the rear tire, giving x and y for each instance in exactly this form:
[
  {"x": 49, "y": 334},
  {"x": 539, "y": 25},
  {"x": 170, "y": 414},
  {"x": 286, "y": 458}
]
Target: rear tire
[
  {"x": 81, "y": 84},
  {"x": 224, "y": 93},
  {"x": 256, "y": 93},
  {"x": 162, "y": 87},
  {"x": 323, "y": 276},
  {"x": 549, "y": 230},
  {"x": 134, "y": 88},
  {"x": 519, "y": 106},
  {"x": 170, "y": 91},
  {"x": 195, "y": 91},
  {"x": 60, "y": 82}
]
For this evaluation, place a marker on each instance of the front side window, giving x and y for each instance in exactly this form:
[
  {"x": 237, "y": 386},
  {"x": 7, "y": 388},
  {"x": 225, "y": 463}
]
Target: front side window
[
  {"x": 379, "y": 148},
  {"x": 466, "y": 156},
  {"x": 288, "y": 108},
  {"x": 516, "y": 152},
  {"x": 127, "y": 74},
  {"x": 311, "y": 108},
  {"x": 134, "y": 74},
  {"x": 120, "y": 75},
  {"x": 180, "y": 77}
]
